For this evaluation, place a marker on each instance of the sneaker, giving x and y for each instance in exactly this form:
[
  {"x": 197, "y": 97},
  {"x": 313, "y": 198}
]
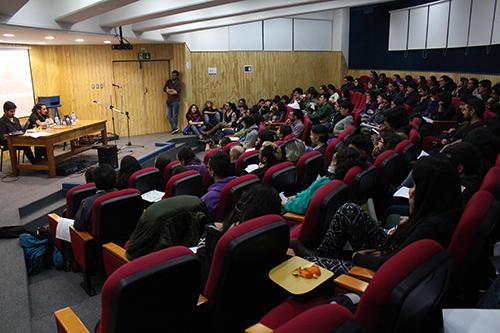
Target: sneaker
[
  {"x": 300, "y": 249},
  {"x": 175, "y": 131}
]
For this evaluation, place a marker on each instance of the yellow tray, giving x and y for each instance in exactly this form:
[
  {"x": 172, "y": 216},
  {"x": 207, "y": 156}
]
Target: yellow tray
[{"x": 282, "y": 276}]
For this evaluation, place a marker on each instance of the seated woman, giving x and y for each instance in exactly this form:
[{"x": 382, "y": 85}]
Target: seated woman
[
  {"x": 258, "y": 201},
  {"x": 435, "y": 207},
  {"x": 283, "y": 131},
  {"x": 371, "y": 103},
  {"x": 195, "y": 123},
  {"x": 319, "y": 137},
  {"x": 190, "y": 161},
  {"x": 294, "y": 149},
  {"x": 342, "y": 161},
  {"x": 128, "y": 165},
  {"x": 226, "y": 126},
  {"x": 387, "y": 140},
  {"x": 445, "y": 110}
]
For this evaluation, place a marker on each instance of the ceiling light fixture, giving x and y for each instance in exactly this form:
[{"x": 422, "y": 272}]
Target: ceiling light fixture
[
  {"x": 50, "y": 37},
  {"x": 9, "y": 35},
  {"x": 107, "y": 42},
  {"x": 79, "y": 40}
]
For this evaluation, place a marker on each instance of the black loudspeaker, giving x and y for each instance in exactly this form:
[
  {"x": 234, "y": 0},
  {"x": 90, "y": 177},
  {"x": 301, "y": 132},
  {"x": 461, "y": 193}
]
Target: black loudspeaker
[{"x": 108, "y": 154}]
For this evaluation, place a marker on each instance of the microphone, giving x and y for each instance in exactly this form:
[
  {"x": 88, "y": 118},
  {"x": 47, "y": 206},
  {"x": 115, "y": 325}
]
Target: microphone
[{"x": 116, "y": 85}]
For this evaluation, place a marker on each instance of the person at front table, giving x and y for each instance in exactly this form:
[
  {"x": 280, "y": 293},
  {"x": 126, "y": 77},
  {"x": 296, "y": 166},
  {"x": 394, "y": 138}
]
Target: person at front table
[
  {"x": 10, "y": 124},
  {"x": 39, "y": 118},
  {"x": 105, "y": 182}
]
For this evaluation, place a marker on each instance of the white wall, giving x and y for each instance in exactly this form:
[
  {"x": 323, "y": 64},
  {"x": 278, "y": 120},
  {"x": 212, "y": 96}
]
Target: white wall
[{"x": 325, "y": 31}]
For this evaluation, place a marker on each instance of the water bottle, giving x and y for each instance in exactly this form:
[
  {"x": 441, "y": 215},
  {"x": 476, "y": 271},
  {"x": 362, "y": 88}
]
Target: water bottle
[
  {"x": 73, "y": 117},
  {"x": 57, "y": 121},
  {"x": 47, "y": 124}
]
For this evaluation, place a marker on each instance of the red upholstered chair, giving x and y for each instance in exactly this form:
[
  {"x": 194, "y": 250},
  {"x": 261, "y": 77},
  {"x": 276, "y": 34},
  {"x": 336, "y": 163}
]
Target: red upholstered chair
[
  {"x": 307, "y": 130},
  {"x": 238, "y": 288},
  {"x": 309, "y": 166},
  {"x": 362, "y": 185},
  {"x": 245, "y": 159},
  {"x": 289, "y": 137},
  {"x": 332, "y": 147},
  {"x": 167, "y": 173},
  {"x": 456, "y": 102},
  {"x": 346, "y": 133},
  {"x": 282, "y": 176},
  {"x": 491, "y": 182},
  {"x": 388, "y": 165},
  {"x": 187, "y": 182},
  {"x": 209, "y": 152},
  {"x": 231, "y": 192},
  {"x": 114, "y": 217},
  {"x": 416, "y": 122},
  {"x": 404, "y": 295},
  {"x": 228, "y": 147},
  {"x": 497, "y": 162},
  {"x": 325, "y": 202},
  {"x": 155, "y": 293},
  {"x": 469, "y": 240},
  {"x": 74, "y": 197},
  {"x": 325, "y": 318},
  {"x": 414, "y": 136},
  {"x": 351, "y": 175},
  {"x": 145, "y": 180}
]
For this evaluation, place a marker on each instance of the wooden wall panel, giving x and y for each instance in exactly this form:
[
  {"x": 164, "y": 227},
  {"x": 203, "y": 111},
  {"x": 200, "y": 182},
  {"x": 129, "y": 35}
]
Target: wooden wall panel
[
  {"x": 273, "y": 73},
  {"x": 455, "y": 76}
]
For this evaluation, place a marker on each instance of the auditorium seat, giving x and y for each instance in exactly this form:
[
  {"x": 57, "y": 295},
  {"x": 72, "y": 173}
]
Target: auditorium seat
[
  {"x": 309, "y": 166},
  {"x": 325, "y": 202},
  {"x": 238, "y": 289},
  {"x": 282, "y": 176},
  {"x": 228, "y": 147},
  {"x": 497, "y": 162},
  {"x": 332, "y": 147},
  {"x": 414, "y": 136},
  {"x": 388, "y": 165},
  {"x": 491, "y": 182},
  {"x": 187, "y": 182},
  {"x": 145, "y": 180},
  {"x": 155, "y": 293},
  {"x": 245, "y": 159},
  {"x": 74, "y": 197},
  {"x": 167, "y": 173},
  {"x": 416, "y": 122},
  {"x": 307, "y": 130},
  {"x": 409, "y": 153},
  {"x": 404, "y": 295},
  {"x": 231, "y": 192},
  {"x": 288, "y": 137},
  {"x": 209, "y": 152},
  {"x": 362, "y": 185},
  {"x": 114, "y": 217}
]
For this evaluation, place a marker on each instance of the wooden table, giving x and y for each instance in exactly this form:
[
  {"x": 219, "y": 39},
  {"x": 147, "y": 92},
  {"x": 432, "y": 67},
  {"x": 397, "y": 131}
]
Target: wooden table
[{"x": 62, "y": 134}]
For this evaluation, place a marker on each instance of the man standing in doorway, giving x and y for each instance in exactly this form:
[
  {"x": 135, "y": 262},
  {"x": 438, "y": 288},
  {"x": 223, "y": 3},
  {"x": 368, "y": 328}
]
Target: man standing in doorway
[{"x": 173, "y": 88}]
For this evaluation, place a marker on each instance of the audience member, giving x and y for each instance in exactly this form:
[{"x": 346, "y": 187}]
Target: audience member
[
  {"x": 296, "y": 122},
  {"x": 252, "y": 132},
  {"x": 387, "y": 140},
  {"x": 346, "y": 108},
  {"x": 128, "y": 165},
  {"x": 219, "y": 169},
  {"x": 363, "y": 143},
  {"x": 342, "y": 161},
  {"x": 294, "y": 149},
  {"x": 188, "y": 159},
  {"x": 210, "y": 115},
  {"x": 235, "y": 152},
  {"x": 161, "y": 162},
  {"x": 322, "y": 111},
  {"x": 319, "y": 137},
  {"x": 269, "y": 155},
  {"x": 195, "y": 122},
  {"x": 283, "y": 131},
  {"x": 89, "y": 174},
  {"x": 105, "y": 182},
  {"x": 412, "y": 96},
  {"x": 435, "y": 208}
]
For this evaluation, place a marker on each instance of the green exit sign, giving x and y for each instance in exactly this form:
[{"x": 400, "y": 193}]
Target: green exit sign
[{"x": 144, "y": 56}]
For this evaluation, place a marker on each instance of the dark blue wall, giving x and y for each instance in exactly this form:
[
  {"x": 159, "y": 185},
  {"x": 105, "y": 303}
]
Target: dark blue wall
[{"x": 369, "y": 40}]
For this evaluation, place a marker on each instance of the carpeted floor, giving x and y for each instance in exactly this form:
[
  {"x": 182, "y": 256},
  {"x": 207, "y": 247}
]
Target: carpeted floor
[{"x": 27, "y": 304}]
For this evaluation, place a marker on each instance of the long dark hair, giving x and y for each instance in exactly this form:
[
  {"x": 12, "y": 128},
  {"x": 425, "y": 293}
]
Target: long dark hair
[
  {"x": 128, "y": 166},
  {"x": 259, "y": 200},
  {"x": 437, "y": 190}
]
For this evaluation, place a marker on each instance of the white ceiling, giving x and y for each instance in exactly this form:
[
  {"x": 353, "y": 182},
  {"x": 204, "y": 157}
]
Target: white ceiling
[{"x": 95, "y": 21}]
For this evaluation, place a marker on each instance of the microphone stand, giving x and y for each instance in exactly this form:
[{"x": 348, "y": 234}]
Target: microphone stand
[
  {"x": 112, "y": 108},
  {"x": 129, "y": 144}
]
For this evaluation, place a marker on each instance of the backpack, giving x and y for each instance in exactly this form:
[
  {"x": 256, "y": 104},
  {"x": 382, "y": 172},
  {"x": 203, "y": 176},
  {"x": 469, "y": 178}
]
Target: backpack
[{"x": 39, "y": 253}]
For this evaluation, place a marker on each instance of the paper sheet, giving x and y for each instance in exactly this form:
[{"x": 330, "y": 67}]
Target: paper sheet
[
  {"x": 251, "y": 168},
  {"x": 471, "y": 320},
  {"x": 283, "y": 198},
  {"x": 428, "y": 120},
  {"x": 62, "y": 230},
  {"x": 422, "y": 154},
  {"x": 37, "y": 134},
  {"x": 194, "y": 249},
  {"x": 403, "y": 192},
  {"x": 152, "y": 196}
]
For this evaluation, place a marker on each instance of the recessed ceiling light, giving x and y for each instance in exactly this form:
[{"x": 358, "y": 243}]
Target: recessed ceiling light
[
  {"x": 9, "y": 35},
  {"x": 42, "y": 43},
  {"x": 107, "y": 42},
  {"x": 50, "y": 37},
  {"x": 79, "y": 40}
]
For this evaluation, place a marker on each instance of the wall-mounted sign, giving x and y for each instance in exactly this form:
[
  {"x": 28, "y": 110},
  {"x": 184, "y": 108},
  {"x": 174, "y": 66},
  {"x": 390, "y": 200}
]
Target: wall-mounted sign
[
  {"x": 247, "y": 69},
  {"x": 212, "y": 70},
  {"x": 144, "y": 56}
]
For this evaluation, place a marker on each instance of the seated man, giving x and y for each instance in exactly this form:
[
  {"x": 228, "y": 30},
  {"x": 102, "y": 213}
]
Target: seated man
[
  {"x": 269, "y": 155},
  {"x": 252, "y": 133},
  {"x": 235, "y": 152},
  {"x": 105, "y": 182},
  {"x": 190, "y": 161},
  {"x": 346, "y": 108},
  {"x": 219, "y": 168},
  {"x": 10, "y": 124}
]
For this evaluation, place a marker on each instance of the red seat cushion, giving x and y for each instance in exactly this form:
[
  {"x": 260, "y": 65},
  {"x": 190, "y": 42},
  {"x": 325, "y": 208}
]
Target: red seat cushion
[
  {"x": 288, "y": 310},
  {"x": 491, "y": 182},
  {"x": 69, "y": 195},
  {"x": 269, "y": 173},
  {"x": 209, "y": 152},
  {"x": 169, "y": 188},
  {"x": 351, "y": 174},
  {"x": 226, "y": 191},
  {"x": 132, "y": 178},
  {"x": 380, "y": 158}
]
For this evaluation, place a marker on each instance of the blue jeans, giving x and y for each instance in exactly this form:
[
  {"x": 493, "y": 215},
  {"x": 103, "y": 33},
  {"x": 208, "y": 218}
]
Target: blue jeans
[
  {"x": 173, "y": 114},
  {"x": 196, "y": 130},
  {"x": 216, "y": 116}
]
